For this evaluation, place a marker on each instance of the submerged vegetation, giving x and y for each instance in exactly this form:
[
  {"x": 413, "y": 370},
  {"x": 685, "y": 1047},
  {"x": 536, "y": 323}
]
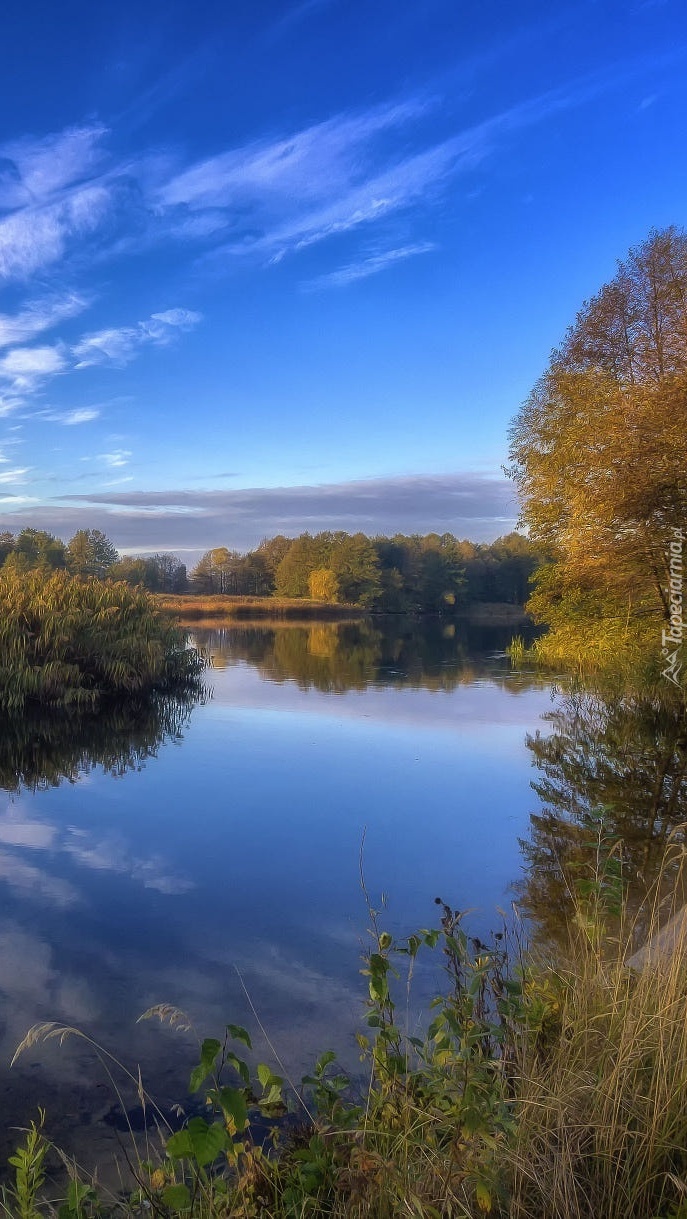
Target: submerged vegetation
[
  {"x": 534, "y": 1087},
  {"x": 71, "y": 642}
]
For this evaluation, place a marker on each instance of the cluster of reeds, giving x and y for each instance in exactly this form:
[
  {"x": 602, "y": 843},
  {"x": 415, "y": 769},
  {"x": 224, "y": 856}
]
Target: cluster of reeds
[{"x": 71, "y": 642}]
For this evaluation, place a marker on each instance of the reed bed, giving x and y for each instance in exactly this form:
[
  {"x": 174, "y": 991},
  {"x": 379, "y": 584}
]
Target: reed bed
[{"x": 71, "y": 642}]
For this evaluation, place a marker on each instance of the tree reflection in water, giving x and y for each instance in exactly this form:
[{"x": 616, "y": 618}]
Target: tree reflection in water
[
  {"x": 621, "y": 757},
  {"x": 428, "y": 654},
  {"x": 40, "y": 749}
]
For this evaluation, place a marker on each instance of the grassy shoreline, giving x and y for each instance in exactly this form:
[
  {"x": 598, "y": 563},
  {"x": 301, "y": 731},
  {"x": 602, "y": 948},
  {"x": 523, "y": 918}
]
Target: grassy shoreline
[{"x": 189, "y": 607}]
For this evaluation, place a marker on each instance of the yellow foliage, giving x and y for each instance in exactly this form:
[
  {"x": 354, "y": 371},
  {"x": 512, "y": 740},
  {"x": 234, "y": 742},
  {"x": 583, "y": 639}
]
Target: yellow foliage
[{"x": 323, "y": 585}]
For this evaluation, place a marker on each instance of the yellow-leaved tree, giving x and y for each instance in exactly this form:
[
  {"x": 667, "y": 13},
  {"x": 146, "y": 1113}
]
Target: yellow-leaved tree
[
  {"x": 599, "y": 454},
  {"x": 323, "y": 585}
]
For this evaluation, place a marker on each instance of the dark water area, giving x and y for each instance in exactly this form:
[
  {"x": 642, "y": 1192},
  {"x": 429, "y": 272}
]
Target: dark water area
[{"x": 207, "y": 855}]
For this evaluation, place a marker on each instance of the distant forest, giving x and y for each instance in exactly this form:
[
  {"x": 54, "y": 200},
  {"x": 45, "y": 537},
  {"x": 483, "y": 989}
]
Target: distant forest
[{"x": 435, "y": 573}]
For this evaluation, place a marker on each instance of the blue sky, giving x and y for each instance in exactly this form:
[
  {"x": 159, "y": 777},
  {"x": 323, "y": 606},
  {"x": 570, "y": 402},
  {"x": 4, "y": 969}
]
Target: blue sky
[{"x": 286, "y": 264}]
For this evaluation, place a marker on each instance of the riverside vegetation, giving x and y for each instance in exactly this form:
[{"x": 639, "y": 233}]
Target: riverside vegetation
[
  {"x": 548, "y": 1077},
  {"x": 73, "y": 643}
]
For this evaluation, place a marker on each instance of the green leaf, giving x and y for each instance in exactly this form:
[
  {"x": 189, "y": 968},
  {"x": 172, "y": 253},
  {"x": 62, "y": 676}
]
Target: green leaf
[
  {"x": 323, "y": 1062},
  {"x": 239, "y": 1066},
  {"x": 267, "y": 1077},
  {"x": 483, "y": 1196},
  {"x": 233, "y": 1103},
  {"x": 208, "y": 1053},
  {"x": 177, "y": 1197},
  {"x": 179, "y": 1145},
  {"x": 199, "y": 1142},
  {"x": 238, "y": 1033}
]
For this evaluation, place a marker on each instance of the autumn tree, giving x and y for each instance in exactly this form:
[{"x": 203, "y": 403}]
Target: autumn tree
[
  {"x": 323, "y": 585},
  {"x": 599, "y": 449}
]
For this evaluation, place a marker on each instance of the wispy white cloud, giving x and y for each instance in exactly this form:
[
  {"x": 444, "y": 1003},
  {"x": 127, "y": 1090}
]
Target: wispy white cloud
[
  {"x": 120, "y": 345},
  {"x": 9, "y": 403},
  {"x": 273, "y": 197},
  {"x": 24, "y": 368},
  {"x": 83, "y": 414},
  {"x": 308, "y": 165},
  {"x": 38, "y": 316},
  {"x": 17, "y": 475},
  {"x": 336, "y": 176},
  {"x": 371, "y": 265},
  {"x": 36, "y": 237},
  {"x": 117, "y": 458},
  {"x": 36, "y": 169}
]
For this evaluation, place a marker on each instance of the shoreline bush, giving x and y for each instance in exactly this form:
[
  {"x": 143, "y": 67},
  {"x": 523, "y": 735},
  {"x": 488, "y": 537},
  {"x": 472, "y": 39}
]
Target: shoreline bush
[{"x": 72, "y": 642}]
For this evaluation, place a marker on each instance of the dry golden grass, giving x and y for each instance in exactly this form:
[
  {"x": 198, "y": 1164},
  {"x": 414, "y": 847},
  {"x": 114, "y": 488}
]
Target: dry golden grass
[
  {"x": 601, "y": 1106},
  {"x": 190, "y": 607}
]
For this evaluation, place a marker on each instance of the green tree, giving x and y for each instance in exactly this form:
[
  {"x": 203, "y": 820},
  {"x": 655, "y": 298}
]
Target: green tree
[
  {"x": 165, "y": 574},
  {"x": 216, "y": 571},
  {"x": 355, "y": 565},
  {"x": 293, "y": 572},
  {"x": 272, "y": 551},
  {"x": 6, "y": 545},
  {"x": 39, "y": 549},
  {"x": 90, "y": 553},
  {"x": 131, "y": 570}
]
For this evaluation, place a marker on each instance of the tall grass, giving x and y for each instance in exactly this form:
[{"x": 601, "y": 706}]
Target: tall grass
[
  {"x": 601, "y": 1099},
  {"x": 71, "y": 642}
]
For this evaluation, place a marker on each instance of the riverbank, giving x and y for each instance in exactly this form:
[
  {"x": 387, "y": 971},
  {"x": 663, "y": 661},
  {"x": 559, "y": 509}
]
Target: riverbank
[
  {"x": 191, "y": 608},
  {"x": 538, "y": 1084}
]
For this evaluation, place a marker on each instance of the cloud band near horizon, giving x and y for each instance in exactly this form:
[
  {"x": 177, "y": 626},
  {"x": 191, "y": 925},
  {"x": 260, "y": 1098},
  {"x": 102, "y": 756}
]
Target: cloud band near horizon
[{"x": 473, "y": 505}]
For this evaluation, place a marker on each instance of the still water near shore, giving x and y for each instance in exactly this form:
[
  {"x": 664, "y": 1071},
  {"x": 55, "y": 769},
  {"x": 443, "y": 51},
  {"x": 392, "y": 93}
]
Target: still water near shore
[{"x": 200, "y": 855}]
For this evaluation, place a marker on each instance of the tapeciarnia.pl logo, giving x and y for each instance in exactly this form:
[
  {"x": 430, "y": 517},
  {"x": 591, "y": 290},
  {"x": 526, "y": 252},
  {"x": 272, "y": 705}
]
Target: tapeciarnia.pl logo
[{"x": 671, "y": 639}]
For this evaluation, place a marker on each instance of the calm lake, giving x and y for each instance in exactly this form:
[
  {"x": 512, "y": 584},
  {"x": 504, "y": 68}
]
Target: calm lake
[{"x": 209, "y": 856}]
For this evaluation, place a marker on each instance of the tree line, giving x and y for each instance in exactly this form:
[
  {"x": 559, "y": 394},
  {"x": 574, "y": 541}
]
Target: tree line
[
  {"x": 401, "y": 574},
  {"x": 90, "y": 553}
]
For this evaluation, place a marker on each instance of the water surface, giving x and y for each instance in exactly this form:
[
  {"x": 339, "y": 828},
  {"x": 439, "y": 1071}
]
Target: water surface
[{"x": 199, "y": 855}]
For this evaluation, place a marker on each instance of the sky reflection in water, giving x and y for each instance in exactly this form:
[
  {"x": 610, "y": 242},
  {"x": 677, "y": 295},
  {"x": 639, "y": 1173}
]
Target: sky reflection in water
[{"x": 237, "y": 847}]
